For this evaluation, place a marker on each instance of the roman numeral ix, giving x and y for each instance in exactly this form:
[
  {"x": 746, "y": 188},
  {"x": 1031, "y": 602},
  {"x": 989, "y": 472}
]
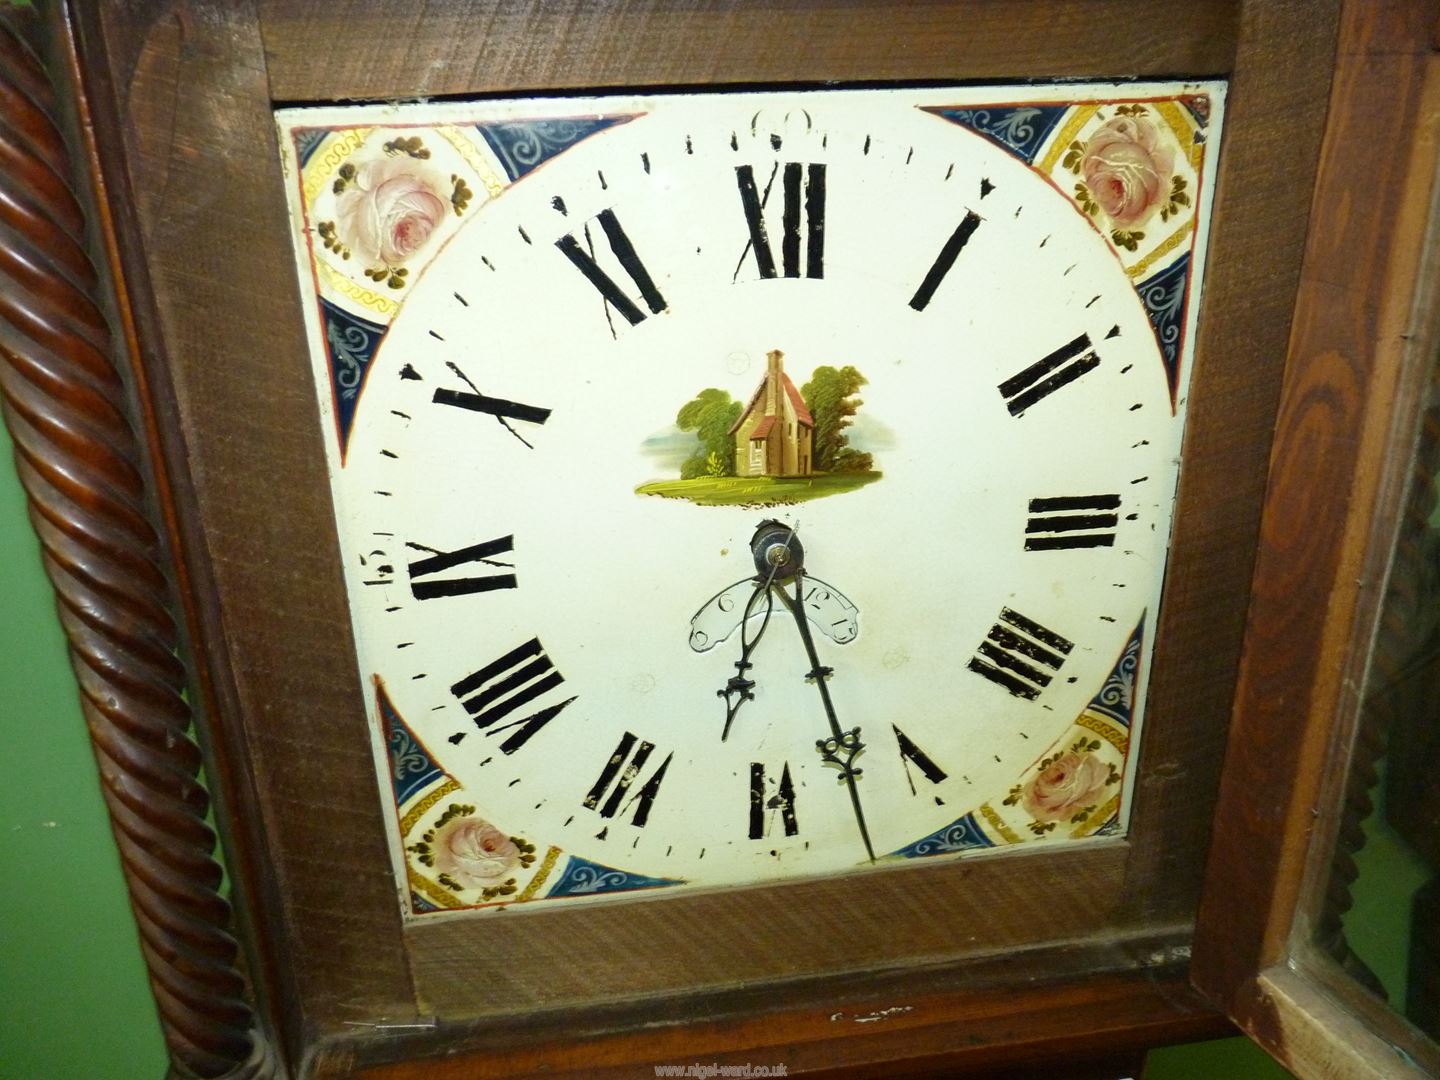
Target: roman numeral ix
[
  {"x": 624, "y": 251},
  {"x": 798, "y": 182},
  {"x": 1043, "y": 378},
  {"x": 1016, "y": 654},
  {"x": 506, "y": 410},
  {"x": 508, "y": 685},
  {"x": 503, "y": 411},
  {"x": 624, "y": 773},
  {"x": 1072, "y": 521},
  {"x": 763, "y": 805},
  {"x": 426, "y": 583}
]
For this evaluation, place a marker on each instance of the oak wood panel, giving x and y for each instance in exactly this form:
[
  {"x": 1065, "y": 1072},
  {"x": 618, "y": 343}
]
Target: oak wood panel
[
  {"x": 1322, "y": 1036},
  {"x": 348, "y": 49},
  {"x": 1353, "y": 1021},
  {"x": 1275, "y": 113},
  {"x": 1355, "y": 364},
  {"x": 936, "y": 911},
  {"x": 962, "y": 1020},
  {"x": 188, "y": 100}
]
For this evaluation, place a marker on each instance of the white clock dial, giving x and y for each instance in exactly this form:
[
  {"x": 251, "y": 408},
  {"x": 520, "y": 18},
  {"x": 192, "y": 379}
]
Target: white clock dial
[{"x": 708, "y": 289}]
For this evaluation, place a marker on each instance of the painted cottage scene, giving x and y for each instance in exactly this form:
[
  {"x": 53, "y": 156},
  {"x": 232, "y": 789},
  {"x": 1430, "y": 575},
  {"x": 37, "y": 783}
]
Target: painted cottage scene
[
  {"x": 781, "y": 445},
  {"x": 775, "y": 435}
]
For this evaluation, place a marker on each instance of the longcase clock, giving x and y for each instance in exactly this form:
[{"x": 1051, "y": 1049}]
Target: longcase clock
[{"x": 692, "y": 532}]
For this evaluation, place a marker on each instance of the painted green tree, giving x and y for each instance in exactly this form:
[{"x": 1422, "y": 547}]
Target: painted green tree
[
  {"x": 830, "y": 397},
  {"x": 710, "y": 415}
]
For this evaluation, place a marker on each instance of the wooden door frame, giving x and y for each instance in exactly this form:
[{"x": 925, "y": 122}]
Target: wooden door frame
[{"x": 1362, "y": 346}]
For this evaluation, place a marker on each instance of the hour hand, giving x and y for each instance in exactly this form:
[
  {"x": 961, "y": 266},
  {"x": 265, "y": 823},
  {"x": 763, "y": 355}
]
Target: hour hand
[
  {"x": 736, "y": 692},
  {"x": 753, "y": 621}
]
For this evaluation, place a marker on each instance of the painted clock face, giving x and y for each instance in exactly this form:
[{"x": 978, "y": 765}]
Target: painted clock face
[{"x": 743, "y": 486}]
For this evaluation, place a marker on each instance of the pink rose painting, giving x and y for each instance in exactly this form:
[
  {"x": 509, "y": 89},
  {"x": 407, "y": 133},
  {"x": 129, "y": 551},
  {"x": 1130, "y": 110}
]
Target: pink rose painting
[
  {"x": 467, "y": 852},
  {"x": 473, "y": 852},
  {"x": 387, "y": 209},
  {"x": 1067, "y": 787},
  {"x": 1127, "y": 170}
]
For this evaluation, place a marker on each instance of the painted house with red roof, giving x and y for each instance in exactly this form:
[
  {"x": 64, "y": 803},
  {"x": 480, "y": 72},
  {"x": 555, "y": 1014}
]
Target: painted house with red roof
[{"x": 775, "y": 434}]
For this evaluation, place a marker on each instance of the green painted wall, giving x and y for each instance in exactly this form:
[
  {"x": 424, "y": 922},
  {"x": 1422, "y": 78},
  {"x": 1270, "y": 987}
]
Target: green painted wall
[{"x": 74, "y": 1001}]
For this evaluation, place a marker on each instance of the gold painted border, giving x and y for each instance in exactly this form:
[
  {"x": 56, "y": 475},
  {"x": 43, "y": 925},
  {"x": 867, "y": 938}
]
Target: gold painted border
[
  {"x": 1007, "y": 834},
  {"x": 416, "y": 812}
]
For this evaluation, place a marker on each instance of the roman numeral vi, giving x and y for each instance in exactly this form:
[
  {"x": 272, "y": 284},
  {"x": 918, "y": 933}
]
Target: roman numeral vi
[{"x": 763, "y": 804}]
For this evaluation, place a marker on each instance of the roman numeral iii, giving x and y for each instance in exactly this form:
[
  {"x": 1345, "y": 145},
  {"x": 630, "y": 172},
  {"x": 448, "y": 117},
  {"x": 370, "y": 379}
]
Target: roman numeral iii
[
  {"x": 622, "y": 785},
  {"x": 508, "y": 685},
  {"x": 1041, "y": 379},
  {"x": 803, "y": 194},
  {"x": 763, "y": 804},
  {"x": 1072, "y": 521},
  {"x": 1020, "y": 655},
  {"x": 427, "y": 583},
  {"x": 624, "y": 251}
]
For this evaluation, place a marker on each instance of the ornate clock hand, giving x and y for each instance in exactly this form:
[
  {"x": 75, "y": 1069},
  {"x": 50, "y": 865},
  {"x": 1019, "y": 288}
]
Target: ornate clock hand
[
  {"x": 774, "y": 551},
  {"x": 843, "y": 747},
  {"x": 741, "y": 689}
]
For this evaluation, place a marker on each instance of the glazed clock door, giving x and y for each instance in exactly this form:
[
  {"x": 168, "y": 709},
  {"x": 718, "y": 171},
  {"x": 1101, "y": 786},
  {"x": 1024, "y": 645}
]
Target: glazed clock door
[
  {"x": 1316, "y": 931},
  {"x": 746, "y": 486}
]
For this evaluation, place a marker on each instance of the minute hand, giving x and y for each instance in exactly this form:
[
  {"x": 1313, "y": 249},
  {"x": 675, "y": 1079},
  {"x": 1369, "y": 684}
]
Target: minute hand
[{"x": 842, "y": 742}]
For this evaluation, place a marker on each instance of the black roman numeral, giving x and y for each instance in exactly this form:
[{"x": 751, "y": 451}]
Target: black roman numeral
[
  {"x": 763, "y": 804},
  {"x": 506, "y": 685},
  {"x": 945, "y": 260},
  {"x": 1016, "y": 652},
  {"x": 798, "y": 182},
  {"x": 1041, "y": 379},
  {"x": 439, "y": 561},
  {"x": 1072, "y": 521},
  {"x": 503, "y": 411},
  {"x": 624, "y": 773},
  {"x": 910, "y": 754},
  {"x": 499, "y": 407},
  {"x": 630, "y": 262}
]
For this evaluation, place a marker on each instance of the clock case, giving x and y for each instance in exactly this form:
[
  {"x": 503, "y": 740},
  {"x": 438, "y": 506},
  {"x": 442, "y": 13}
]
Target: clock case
[{"x": 156, "y": 384}]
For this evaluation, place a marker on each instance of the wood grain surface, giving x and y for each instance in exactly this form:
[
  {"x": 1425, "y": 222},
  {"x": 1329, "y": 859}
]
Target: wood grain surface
[
  {"x": 180, "y": 100},
  {"x": 366, "y": 49},
  {"x": 65, "y": 390},
  {"x": 1358, "y": 359},
  {"x": 1275, "y": 112},
  {"x": 181, "y": 95}
]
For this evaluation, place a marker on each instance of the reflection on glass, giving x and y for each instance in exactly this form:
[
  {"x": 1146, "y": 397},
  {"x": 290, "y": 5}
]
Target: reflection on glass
[{"x": 1389, "y": 845}]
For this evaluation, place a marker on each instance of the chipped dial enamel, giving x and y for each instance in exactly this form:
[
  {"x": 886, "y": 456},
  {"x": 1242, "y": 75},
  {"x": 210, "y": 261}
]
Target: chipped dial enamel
[{"x": 608, "y": 580}]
